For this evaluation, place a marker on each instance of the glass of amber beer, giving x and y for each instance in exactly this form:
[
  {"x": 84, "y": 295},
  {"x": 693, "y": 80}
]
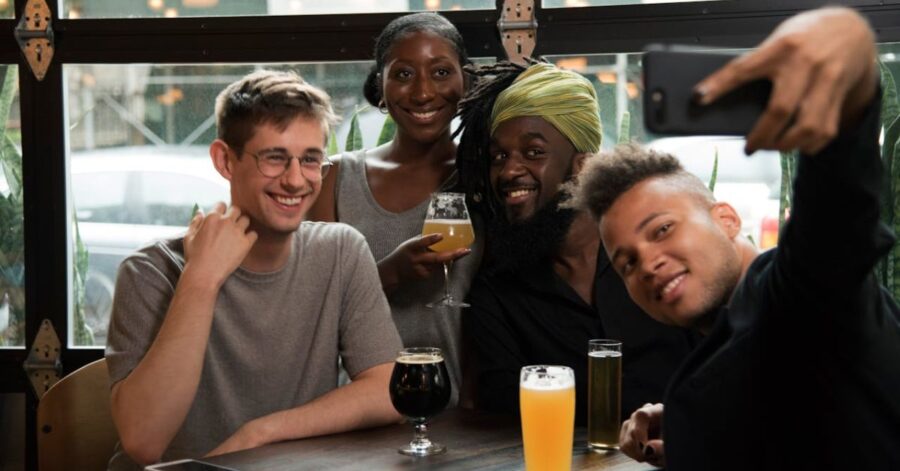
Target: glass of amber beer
[
  {"x": 604, "y": 393},
  {"x": 447, "y": 215},
  {"x": 420, "y": 388},
  {"x": 547, "y": 402}
]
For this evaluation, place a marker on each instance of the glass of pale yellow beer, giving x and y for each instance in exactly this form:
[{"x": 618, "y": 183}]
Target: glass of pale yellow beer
[
  {"x": 447, "y": 215},
  {"x": 547, "y": 406},
  {"x": 604, "y": 393}
]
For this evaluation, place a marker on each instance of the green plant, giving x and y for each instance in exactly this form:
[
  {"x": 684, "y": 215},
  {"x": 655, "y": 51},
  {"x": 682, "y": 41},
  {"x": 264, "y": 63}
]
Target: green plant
[
  {"x": 12, "y": 231},
  {"x": 354, "y": 140},
  {"x": 12, "y": 228},
  {"x": 715, "y": 171},
  {"x": 888, "y": 271}
]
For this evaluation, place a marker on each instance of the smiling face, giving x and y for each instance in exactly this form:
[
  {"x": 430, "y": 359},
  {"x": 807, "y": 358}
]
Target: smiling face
[
  {"x": 530, "y": 159},
  {"x": 676, "y": 253},
  {"x": 422, "y": 82},
  {"x": 274, "y": 205}
]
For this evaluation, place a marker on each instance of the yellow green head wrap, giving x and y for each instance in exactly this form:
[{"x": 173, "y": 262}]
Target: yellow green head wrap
[{"x": 563, "y": 98}]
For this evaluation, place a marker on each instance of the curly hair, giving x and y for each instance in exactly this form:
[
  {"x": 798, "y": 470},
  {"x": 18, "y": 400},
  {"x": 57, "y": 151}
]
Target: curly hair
[
  {"x": 397, "y": 29},
  {"x": 268, "y": 96},
  {"x": 472, "y": 161},
  {"x": 608, "y": 175}
]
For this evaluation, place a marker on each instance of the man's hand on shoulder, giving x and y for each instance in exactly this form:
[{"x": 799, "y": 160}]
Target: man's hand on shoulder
[
  {"x": 823, "y": 71},
  {"x": 216, "y": 243}
]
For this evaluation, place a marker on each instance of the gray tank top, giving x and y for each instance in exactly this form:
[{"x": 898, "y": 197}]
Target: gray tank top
[{"x": 418, "y": 325}]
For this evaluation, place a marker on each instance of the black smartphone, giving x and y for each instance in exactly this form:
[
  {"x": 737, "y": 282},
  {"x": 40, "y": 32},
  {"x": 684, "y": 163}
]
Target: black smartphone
[
  {"x": 187, "y": 465},
  {"x": 670, "y": 74}
]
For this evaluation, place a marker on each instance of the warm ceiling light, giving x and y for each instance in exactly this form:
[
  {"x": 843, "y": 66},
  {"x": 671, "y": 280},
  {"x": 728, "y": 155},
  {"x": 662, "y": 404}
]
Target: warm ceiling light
[
  {"x": 170, "y": 97},
  {"x": 578, "y": 64},
  {"x": 170, "y": 13},
  {"x": 74, "y": 13},
  {"x": 631, "y": 89},
  {"x": 4, "y": 3},
  {"x": 433, "y": 5},
  {"x": 606, "y": 77},
  {"x": 155, "y": 5},
  {"x": 88, "y": 80},
  {"x": 200, "y": 3}
]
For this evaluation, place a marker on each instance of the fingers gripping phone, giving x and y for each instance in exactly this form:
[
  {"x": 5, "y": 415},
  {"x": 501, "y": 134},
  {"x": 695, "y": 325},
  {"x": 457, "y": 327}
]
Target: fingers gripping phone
[{"x": 670, "y": 74}]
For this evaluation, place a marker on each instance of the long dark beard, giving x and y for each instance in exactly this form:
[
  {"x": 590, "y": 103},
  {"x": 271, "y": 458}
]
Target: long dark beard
[{"x": 516, "y": 245}]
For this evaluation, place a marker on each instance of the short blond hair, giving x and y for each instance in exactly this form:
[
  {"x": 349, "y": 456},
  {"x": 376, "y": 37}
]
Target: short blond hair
[{"x": 269, "y": 96}]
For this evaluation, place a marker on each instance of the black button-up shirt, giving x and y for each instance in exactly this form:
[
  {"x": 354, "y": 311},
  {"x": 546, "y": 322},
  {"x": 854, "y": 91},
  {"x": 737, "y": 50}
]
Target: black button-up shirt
[{"x": 532, "y": 316}]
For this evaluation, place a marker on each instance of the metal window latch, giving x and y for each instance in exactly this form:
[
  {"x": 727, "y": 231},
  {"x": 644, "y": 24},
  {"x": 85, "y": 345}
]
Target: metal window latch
[
  {"x": 34, "y": 34},
  {"x": 42, "y": 365},
  {"x": 518, "y": 29}
]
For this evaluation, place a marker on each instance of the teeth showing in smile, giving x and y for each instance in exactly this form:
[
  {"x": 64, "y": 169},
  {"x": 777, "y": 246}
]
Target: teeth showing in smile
[
  {"x": 671, "y": 285},
  {"x": 518, "y": 193},
  {"x": 288, "y": 201},
  {"x": 423, "y": 116}
]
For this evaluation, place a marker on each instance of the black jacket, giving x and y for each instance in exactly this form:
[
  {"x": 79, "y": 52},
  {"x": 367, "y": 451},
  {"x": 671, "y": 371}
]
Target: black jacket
[{"x": 802, "y": 368}]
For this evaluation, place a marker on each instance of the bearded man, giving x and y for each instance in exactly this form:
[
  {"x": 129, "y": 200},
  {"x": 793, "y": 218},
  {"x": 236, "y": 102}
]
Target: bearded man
[{"x": 546, "y": 286}]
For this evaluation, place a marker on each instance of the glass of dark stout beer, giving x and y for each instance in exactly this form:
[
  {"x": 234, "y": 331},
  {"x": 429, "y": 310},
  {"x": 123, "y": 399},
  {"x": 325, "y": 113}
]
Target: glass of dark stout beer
[{"x": 420, "y": 388}]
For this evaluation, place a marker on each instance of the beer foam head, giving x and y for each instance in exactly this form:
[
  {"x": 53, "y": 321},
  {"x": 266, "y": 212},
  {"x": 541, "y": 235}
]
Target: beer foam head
[
  {"x": 605, "y": 354},
  {"x": 547, "y": 378},
  {"x": 420, "y": 358}
]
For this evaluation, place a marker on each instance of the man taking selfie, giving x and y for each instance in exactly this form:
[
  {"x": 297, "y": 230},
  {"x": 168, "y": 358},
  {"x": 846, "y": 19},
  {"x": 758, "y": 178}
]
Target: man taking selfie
[{"x": 799, "y": 367}]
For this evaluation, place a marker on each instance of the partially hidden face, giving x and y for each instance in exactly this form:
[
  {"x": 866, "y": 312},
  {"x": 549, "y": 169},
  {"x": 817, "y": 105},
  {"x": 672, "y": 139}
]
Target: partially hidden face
[
  {"x": 277, "y": 205},
  {"x": 676, "y": 255},
  {"x": 530, "y": 159},
  {"x": 422, "y": 81}
]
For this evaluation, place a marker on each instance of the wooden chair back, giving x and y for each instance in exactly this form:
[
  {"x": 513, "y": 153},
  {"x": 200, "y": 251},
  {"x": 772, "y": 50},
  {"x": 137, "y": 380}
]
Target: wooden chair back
[{"x": 74, "y": 422}]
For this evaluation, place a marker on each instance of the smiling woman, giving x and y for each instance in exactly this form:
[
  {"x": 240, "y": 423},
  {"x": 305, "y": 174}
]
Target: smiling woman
[{"x": 384, "y": 192}]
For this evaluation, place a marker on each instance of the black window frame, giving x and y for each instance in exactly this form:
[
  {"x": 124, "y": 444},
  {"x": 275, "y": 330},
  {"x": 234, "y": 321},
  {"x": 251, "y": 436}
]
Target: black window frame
[{"x": 339, "y": 37}]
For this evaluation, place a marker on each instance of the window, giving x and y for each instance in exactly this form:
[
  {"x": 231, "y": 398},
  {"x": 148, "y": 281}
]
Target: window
[
  {"x": 175, "y": 8},
  {"x": 607, "y": 3},
  {"x": 148, "y": 83},
  {"x": 12, "y": 223}
]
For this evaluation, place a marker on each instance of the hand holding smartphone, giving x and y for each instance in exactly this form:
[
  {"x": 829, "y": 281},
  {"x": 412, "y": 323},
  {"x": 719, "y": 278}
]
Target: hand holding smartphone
[{"x": 670, "y": 74}]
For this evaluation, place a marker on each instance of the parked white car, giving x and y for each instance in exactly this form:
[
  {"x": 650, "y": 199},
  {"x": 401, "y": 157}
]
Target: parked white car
[{"x": 126, "y": 197}]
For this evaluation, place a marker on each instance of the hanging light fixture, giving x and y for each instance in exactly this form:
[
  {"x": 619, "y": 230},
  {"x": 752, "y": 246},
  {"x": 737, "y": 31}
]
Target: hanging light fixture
[
  {"x": 200, "y": 3},
  {"x": 155, "y": 5},
  {"x": 170, "y": 12}
]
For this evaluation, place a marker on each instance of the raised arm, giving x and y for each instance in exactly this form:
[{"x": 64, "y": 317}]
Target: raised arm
[
  {"x": 150, "y": 404},
  {"x": 823, "y": 71},
  {"x": 824, "y": 74}
]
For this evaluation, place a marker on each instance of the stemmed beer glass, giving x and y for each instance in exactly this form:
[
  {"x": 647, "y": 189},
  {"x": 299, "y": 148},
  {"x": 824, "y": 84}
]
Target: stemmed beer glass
[
  {"x": 420, "y": 388},
  {"x": 447, "y": 215}
]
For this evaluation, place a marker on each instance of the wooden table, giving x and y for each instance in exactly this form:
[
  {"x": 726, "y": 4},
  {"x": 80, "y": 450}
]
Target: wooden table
[{"x": 474, "y": 440}]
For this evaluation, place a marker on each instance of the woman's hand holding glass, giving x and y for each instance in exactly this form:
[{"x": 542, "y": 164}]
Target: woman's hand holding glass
[
  {"x": 412, "y": 260},
  {"x": 448, "y": 216}
]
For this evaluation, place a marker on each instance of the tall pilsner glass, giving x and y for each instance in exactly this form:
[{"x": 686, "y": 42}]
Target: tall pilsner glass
[
  {"x": 420, "y": 388},
  {"x": 604, "y": 393},
  {"x": 447, "y": 215},
  {"x": 547, "y": 402}
]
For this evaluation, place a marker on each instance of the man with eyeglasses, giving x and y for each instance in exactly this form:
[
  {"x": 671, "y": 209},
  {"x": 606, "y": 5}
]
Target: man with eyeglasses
[{"x": 228, "y": 338}]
